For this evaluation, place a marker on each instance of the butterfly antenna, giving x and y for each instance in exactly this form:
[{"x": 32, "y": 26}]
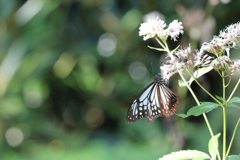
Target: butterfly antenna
[{"x": 160, "y": 73}]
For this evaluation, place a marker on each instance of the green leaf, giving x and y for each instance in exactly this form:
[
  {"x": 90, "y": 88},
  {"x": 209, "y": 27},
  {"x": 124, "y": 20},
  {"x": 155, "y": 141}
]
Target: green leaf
[
  {"x": 182, "y": 155},
  {"x": 233, "y": 157},
  {"x": 235, "y": 99},
  {"x": 211, "y": 146},
  {"x": 220, "y": 98},
  {"x": 204, "y": 107},
  {"x": 158, "y": 49},
  {"x": 232, "y": 105},
  {"x": 199, "y": 72},
  {"x": 232, "y": 101},
  {"x": 182, "y": 83},
  {"x": 182, "y": 115}
]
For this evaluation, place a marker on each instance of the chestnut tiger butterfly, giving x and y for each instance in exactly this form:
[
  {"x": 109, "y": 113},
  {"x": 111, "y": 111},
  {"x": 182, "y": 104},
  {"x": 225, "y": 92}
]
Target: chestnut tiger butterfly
[{"x": 156, "y": 100}]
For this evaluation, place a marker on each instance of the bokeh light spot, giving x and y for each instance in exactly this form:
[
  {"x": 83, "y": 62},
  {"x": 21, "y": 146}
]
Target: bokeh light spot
[
  {"x": 87, "y": 75},
  {"x": 94, "y": 116},
  {"x": 107, "y": 45},
  {"x": 12, "y": 107},
  {"x": 28, "y": 11},
  {"x": 33, "y": 99},
  {"x": 225, "y": 1},
  {"x": 68, "y": 118},
  {"x": 34, "y": 93},
  {"x": 64, "y": 65},
  {"x": 106, "y": 5},
  {"x": 105, "y": 86},
  {"x": 153, "y": 15},
  {"x": 107, "y": 17},
  {"x": 131, "y": 19},
  {"x": 56, "y": 148},
  {"x": 194, "y": 33},
  {"x": 138, "y": 72},
  {"x": 14, "y": 136}
]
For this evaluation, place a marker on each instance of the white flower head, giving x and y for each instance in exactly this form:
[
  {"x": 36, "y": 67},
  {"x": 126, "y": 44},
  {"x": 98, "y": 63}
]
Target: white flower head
[
  {"x": 228, "y": 38},
  {"x": 174, "y": 29},
  {"x": 180, "y": 60},
  {"x": 215, "y": 47},
  {"x": 222, "y": 63},
  {"x": 157, "y": 28},
  {"x": 231, "y": 35},
  {"x": 167, "y": 71},
  {"x": 152, "y": 28},
  {"x": 235, "y": 66}
]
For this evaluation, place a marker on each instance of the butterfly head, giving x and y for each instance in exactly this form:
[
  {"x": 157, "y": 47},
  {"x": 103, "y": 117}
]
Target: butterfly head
[{"x": 159, "y": 80}]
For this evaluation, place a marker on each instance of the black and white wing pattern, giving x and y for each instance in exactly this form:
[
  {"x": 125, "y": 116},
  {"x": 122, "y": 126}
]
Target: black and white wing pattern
[{"x": 156, "y": 100}]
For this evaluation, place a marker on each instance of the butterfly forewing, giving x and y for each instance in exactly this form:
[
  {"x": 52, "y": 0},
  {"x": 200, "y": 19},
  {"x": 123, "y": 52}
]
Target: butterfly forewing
[
  {"x": 154, "y": 101},
  {"x": 140, "y": 105}
]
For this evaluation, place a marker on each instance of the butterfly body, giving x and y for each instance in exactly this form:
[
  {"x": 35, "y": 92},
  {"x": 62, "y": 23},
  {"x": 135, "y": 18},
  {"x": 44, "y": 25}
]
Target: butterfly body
[{"x": 156, "y": 100}]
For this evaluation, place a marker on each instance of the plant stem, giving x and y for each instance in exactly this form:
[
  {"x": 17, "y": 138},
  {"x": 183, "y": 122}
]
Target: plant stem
[
  {"x": 229, "y": 81},
  {"x": 224, "y": 131},
  {"x": 204, "y": 115},
  {"x": 207, "y": 92},
  {"x": 204, "y": 88},
  {"x": 224, "y": 89},
  {"x": 189, "y": 88},
  {"x": 224, "y": 117},
  {"x": 164, "y": 46},
  {"x": 234, "y": 132},
  {"x": 197, "y": 101},
  {"x": 235, "y": 88},
  {"x": 212, "y": 135}
]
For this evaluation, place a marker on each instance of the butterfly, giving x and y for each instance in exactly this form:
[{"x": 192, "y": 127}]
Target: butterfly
[
  {"x": 207, "y": 56},
  {"x": 156, "y": 100}
]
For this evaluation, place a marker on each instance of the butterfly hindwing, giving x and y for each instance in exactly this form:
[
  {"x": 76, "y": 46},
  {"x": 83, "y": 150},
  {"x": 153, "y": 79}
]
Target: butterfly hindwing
[
  {"x": 156, "y": 100},
  {"x": 169, "y": 101}
]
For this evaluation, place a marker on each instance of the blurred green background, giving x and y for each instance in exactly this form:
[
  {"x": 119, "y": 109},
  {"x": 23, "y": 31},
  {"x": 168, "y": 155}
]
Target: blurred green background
[{"x": 70, "y": 69}]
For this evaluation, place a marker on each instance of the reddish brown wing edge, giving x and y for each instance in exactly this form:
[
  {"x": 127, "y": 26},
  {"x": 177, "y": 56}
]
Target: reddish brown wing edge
[{"x": 172, "y": 101}]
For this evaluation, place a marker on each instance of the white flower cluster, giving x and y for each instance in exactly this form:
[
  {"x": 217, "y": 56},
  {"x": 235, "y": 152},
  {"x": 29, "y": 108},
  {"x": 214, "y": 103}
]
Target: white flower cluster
[
  {"x": 180, "y": 61},
  {"x": 157, "y": 28},
  {"x": 210, "y": 54},
  {"x": 228, "y": 38},
  {"x": 235, "y": 66},
  {"x": 216, "y": 53}
]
